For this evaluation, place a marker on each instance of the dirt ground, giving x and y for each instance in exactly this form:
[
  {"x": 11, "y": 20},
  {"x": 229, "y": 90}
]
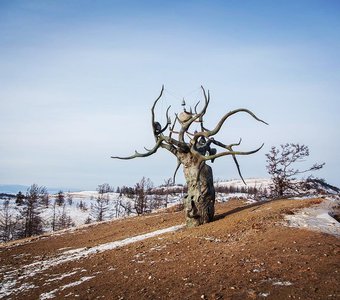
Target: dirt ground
[{"x": 246, "y": 253}]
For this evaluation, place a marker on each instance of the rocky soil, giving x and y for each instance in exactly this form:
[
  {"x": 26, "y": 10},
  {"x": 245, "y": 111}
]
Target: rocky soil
[{"x": 246, "y": 253}]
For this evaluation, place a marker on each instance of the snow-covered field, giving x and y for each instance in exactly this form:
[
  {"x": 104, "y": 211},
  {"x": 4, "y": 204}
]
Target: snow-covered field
[
  {"x": 82, "y": 207},
  {"x": 259, "y": 183}
]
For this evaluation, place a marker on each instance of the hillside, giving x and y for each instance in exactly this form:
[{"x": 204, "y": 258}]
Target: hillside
[
  {"x": 248, "y": 252},
  {"x": 82, "y": 207}
]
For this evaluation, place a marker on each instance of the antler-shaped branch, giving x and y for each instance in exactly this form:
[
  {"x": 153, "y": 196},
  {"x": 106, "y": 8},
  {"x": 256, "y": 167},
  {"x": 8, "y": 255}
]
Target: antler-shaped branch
[
  {"x": 212, "y": 157},
  {"x": 166, "y": 142},
  {"x": 200, "y": 142},
  {"x": 173, "y": 127},
  {"x": 157, "y": 127},
  {"x": 158, "y": 131},
  {"x": 230, "y": 148},
  {"x": 208, "y": 133},
  {"x": 154, "y": 105},
  {"x": 137, "y": 154},
  {"x": 195, "y": 107},
  {"x": 175, "y": 173},
  {"x": 194, "y": 117}
]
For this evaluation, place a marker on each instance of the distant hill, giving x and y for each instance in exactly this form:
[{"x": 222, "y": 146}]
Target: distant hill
[
  {"x": 322, "y": 185},
  {"x": 12, "y": 188},
  {"x": 6, "y": 196},
  {"x": 259, "y": 183},
  {"x": 15, "y": 188}
]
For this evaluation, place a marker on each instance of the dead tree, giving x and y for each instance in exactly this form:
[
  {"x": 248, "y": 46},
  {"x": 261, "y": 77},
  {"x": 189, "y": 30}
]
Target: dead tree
[
  {"x": 281, "y": 168},
  {"x": 193, "y": 151}
]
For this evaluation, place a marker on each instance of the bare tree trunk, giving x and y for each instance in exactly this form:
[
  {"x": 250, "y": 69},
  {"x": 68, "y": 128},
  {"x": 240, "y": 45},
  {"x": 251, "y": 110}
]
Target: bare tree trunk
[
  {"x": 193, "y": 155},
  {"x": 54, "y": 215},
  {"x": 199, "y": 202}
]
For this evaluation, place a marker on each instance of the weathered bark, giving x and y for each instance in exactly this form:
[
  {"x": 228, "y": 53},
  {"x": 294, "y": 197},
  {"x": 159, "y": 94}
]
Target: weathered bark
[
  {"x": 199, "y": 202},
  {"x": 193, "y": 154}
]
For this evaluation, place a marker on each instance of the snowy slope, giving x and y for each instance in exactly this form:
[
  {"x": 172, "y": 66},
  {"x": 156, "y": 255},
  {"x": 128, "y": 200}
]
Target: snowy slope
[
  {"x": 259, "y": 183},
  {"x": 80, "y": 207}
]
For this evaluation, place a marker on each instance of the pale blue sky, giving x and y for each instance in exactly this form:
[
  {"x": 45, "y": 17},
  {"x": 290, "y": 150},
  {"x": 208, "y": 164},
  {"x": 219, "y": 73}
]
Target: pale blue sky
[{"x": 78, "y": 78}]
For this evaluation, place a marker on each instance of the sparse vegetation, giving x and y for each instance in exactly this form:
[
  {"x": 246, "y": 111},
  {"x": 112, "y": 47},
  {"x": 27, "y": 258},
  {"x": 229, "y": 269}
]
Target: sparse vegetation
[
  {"x": 141, "y": 201},
  {"x": 284, "y": 174},
  {"x": 245, "y": 253},
  {"x": 8, "y": 222},
  {"x": 101, "y": 208},
  {"x": 30, "y": 211},
  {"x": 104, "y": 205},
  {"x": 60, "y": 199}
]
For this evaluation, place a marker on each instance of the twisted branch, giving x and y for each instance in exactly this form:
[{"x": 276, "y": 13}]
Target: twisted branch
[
  {"x": 137, "y": 154},
  {"x": 212, "y": 157},
  {"x": 187, "y": 124},
  {"x": 219, "y": 125},
  {"x": 200, "y": 142}
]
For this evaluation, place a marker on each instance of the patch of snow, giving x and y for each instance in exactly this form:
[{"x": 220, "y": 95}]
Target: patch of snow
[
  {"x": 212, "y": 239},
  {"x": 61, "y": 249},
  {"x": 69, "y": 295},
  {"x": 251, "y": 201},
  {"x": 251, "y": 182},
  {"x": 157, "y": 248},
  {"x": 48, "y": 295},
  {"x": 7, "y": 288},
  {"x": 10, "y": 278},
  {"x": 121, "y": 243},
  {"x": 222, "y": 197},
  {"x": 51, "y": 294},
  {"x": 83, "y": 279},
  {"x": 316, "y": 218},
  {"x": 264, "y": 294},
  {"x": 282, "y": 283},
  {"x": 61, "y": 276},
  {"x": 72, "y": 251}
]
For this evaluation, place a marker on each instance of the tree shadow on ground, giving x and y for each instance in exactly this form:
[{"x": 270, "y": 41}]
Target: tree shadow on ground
[{"x": 256, "y": 205}]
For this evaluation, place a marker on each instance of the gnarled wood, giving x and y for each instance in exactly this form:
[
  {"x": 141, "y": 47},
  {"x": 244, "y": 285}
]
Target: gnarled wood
[{"x": 194, "y": 154}]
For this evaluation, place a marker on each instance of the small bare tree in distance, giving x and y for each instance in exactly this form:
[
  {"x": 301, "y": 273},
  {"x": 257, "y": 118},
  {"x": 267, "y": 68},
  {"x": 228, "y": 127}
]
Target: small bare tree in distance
[
  {"x": 194, "y": 154},
  {"x": 100, "y": 209},
  {"x": 282, "y": 171},
  {"x": 7, "y": 222},
  {"x": 142, "y": 188},
  {"x": 32, "y": 223},
  {"x": 167, "y": 184}
]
